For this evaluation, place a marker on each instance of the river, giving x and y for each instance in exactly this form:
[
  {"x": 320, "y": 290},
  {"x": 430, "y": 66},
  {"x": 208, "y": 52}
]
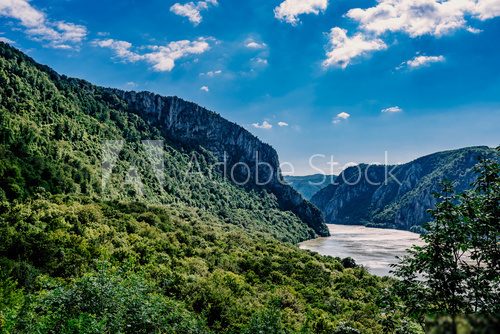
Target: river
[{"x": 374, "y": 248}]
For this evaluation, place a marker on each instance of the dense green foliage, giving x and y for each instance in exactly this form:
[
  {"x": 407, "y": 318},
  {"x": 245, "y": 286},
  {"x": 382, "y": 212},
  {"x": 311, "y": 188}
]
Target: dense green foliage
[
  {"x": 137, "y": 268},
  {"x": 51, "y": 134},
  {"x": 457, "y": 271},
  {"x": 199, "y": 255}
]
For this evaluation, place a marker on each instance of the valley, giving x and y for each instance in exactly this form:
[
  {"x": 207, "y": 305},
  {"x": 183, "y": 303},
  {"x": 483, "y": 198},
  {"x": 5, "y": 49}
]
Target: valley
[
  {"x": 117, "y": 215},
  {"x": 94, "y": 240}
]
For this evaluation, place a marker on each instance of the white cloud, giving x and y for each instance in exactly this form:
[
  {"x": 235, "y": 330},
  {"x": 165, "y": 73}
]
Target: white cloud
[
  {"x": 343, "y": 115},
  {"x": 211, "y": 74},
  {"x": 289, "y": 10},
  {"x": 487, "y": 9},
  {"x": 255, "y": 45},
  {"x": 265, "y": 125},
  {"x": 423, "y": 17},
  {"x": 205, "y": 88},
  {"x": 122, "y": 49},
  {"x": 192, "y": 11},
  {"x": 420, "y": 61},
  {"x": 340, "y": 117},
  {"x": 282, "y": 124},
  {"x": 58, "y": 34},
  {"x": 473, "y": 30},
  {"x": 260, "y": 61},
  {"x": 161, "y": 58},
  {"x": 412, "y": 17},
  {"x": 343, "y": 48},
  {"x": 395, "y": 109},
  {"x": 131, "y": 84}
]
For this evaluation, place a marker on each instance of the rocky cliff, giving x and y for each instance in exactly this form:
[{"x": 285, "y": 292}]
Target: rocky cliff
[
  {"x": 246, "y": 159},
  {"x": 396, "y": 196}
]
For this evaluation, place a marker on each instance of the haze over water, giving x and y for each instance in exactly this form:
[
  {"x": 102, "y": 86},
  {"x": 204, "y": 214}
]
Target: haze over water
[{"x": 374, "y": 248}]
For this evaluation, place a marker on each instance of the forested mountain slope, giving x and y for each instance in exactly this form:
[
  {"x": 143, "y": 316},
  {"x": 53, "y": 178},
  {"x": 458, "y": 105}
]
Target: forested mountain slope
[
  {"x": 397, "y": 196},
  {"x": 54, "y": 130}
]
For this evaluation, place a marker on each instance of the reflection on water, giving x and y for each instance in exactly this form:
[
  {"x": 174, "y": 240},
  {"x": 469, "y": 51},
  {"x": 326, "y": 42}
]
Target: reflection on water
[{"x": 374, "y": 248}]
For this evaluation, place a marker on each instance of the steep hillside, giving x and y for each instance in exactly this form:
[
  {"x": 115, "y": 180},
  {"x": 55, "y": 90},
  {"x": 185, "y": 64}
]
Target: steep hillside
[
  {"x": 55, "y": 131},
  {"x": 396, "y": 196},
  {"x": 247, "y": 159},
  {"x": 309, "y": 185}
]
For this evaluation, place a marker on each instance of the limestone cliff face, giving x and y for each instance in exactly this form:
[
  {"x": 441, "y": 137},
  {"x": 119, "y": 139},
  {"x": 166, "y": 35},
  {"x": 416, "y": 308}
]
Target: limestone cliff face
[
  {"x": 396, "y": 196},
  {"x": 189, "y": 124}
]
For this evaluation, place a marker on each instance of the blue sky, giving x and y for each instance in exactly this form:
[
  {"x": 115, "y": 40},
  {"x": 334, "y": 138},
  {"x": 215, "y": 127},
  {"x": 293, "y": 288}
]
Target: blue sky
[{"x": 348, "y": 78}]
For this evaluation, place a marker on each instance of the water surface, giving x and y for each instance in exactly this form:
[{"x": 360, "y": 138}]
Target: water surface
[{"x": 374, "y": 248}]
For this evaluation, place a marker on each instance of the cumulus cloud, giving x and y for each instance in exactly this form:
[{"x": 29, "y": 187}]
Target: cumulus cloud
[
  {"x": 487, "y": 9},
  {"x": 251, "y": 44},
  {"x": 192, "y": 11},
  {"x": 423, "y": 17},
  {"x": 57, "y": 34},
  {"x": 265, "y": 125},
  {"x": 340, "y": 117},
  {"x": 282, "y": 124},
  {"x": 259, "y": 61},
  {"x": 290, "y": 10},
  {"x": 205, "y": 89},
  {"x": 412, "y": 17},
  {"x": 395, "y": 109},
  {"x": 343, "y": 115},
  {"x": 420, "y": 61},
  {"x": 343, "y": 48},
  {"x": 122, "y": 49},
  {"x": 161, "y": 58},
  {"x": 473, "y": 30}
]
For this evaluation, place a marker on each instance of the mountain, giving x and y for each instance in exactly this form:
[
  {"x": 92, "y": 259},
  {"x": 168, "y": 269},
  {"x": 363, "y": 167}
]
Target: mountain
[
  {"x": 309, "y": 185},
  {"x": 250, "y": 159},
  {"x": 396, "y": 196},
  {"x": 114, "y": 220},
  {"x": 69, "y": 110}
]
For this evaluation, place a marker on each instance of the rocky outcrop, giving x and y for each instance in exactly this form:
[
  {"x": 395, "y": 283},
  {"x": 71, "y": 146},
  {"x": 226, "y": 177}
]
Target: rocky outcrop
[
  {"x": 396, "y": 196},
  {"x": 247, "y": 160}
]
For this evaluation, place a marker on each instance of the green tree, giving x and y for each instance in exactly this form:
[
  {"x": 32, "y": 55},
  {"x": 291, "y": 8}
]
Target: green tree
[
  {"x": 481, "y": 211},
  {"x": 456, "y": 272},
  {"x": 433, "y": 273}
]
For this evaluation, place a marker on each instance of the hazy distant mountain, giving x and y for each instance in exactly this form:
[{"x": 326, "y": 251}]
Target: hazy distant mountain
[
  {"x": 401, "y": 202},
  {"x": 309, "y": 185}
]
